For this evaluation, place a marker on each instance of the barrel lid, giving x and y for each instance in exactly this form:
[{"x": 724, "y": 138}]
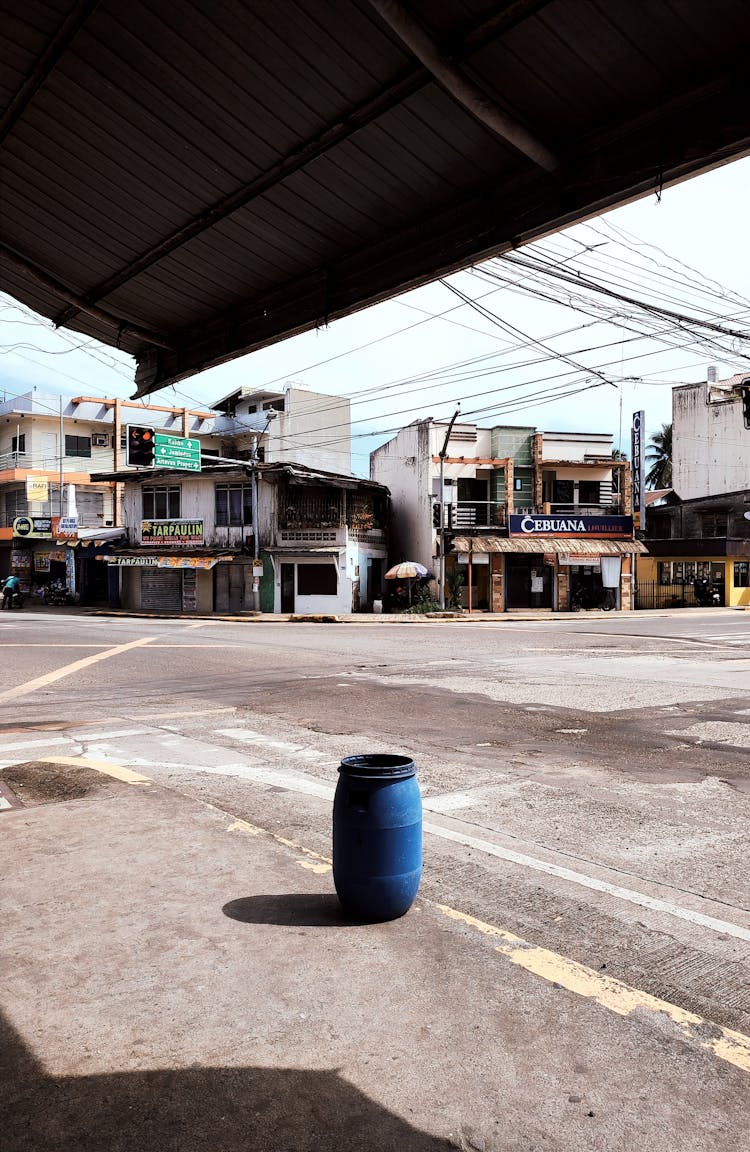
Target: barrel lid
[{"x": 376, "y": 765}]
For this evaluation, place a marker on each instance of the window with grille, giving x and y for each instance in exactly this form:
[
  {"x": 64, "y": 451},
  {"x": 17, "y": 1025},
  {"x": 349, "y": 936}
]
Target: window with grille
[
  {"x": 16, "y": 504},
  {"x": 742, "y": 574},
  {"x": 309, "y": 507},
  {"x": 233, "y": 505},
  {"x": 161, "y": 503},
  {"x": 78, "y": 446}
]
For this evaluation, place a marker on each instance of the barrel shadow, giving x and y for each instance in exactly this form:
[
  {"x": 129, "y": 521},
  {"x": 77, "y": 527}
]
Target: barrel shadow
[{"x": 305, "y": 909}]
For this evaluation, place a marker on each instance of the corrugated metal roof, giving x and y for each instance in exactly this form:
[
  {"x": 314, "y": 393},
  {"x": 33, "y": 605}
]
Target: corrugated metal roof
[
  {"x": 540, "y": 544},
  {"x": 191, "y": 181}
]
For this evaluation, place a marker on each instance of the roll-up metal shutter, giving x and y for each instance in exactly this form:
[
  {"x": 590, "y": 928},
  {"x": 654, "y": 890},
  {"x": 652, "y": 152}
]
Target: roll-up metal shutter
[
  {"x": 90, "y": 507},
  {"x": 161, "y": 588}
]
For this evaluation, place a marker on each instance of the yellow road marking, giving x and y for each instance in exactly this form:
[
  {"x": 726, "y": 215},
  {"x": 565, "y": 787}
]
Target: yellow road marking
[
  {"x": 313, "y": 861},
  {"x": 117, "y": 771},
  {"x": 244, "y": 826},
  {"x": 69, "y": 669},
  {"x": 614, "y": 995}
]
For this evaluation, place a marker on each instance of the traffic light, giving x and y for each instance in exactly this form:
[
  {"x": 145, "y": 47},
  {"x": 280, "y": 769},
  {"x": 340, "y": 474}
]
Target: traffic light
[
  {"x": 139, "y": 450},
  {"x": 745, "y": 394},
  {"x": 437, "y": 515}
]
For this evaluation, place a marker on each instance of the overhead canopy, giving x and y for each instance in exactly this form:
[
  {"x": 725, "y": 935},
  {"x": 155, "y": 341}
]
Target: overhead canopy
[
  {"x": 191, "y": 181},
  {"x": 540, "y": 544}
]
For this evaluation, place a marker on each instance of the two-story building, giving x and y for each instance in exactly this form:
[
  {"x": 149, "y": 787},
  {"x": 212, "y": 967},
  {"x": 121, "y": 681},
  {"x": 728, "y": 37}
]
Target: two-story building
[
  {"x": 531, "y": 519},
  {"x": 242, "y": 537},
  {"x": 54, "y": 518}
]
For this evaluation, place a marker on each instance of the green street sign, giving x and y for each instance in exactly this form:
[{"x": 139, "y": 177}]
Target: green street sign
[{"x": 177, "y": 452}]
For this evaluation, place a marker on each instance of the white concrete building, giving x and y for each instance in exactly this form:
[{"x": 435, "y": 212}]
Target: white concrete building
[
  {"x": 710, "y": 443},
  {"x": 298, "y": 426}
]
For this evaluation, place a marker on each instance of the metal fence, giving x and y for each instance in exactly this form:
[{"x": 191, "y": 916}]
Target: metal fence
[{"x": 651, "y": 594}]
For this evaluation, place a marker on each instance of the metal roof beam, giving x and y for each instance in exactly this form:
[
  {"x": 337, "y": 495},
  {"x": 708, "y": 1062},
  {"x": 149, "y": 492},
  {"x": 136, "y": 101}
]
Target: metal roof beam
[
  {"x": 45, "y": 64},
  {"x": 64, "y": 293},
  {"x": 483, "y": 223},
  {"x": 411, "y": 81},
  {"x": 465, "y": 91}
]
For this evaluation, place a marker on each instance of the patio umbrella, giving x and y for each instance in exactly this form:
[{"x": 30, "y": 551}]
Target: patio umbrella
[{"x": 407, "y": 570}]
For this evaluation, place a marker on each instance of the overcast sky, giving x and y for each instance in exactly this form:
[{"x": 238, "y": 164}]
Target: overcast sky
[{"x": 574, "y": 333}]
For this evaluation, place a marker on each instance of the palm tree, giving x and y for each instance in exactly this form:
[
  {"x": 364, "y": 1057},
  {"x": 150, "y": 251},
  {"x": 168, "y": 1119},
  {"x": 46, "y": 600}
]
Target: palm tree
[{"x": 659, "y": 456}]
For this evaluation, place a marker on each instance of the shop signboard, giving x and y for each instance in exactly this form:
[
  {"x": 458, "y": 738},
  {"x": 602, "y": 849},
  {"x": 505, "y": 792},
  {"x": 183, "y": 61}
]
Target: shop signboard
[
  {"x": 569, "y": 526},
  {"x": 131, "y": 561},
  {"x": 183, "y": 562},
  {"x": 65, "y": 527},
  {"x": 180, "y": 532},
  {"x": 580, "y": 560},
  {"x": 33, "y": 527},
  {"x": 37, "y": 488}
]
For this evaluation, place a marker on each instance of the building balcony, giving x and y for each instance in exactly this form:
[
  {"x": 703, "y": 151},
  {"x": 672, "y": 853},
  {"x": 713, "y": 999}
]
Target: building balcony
[
  {"x": 296, "y": 538},
  {"x": 101, "y": 461},
  {"x": 471, "y": 514}
]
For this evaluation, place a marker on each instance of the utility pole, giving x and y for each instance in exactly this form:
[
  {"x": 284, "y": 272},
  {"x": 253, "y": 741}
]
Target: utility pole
[
  {"x": 62, "y": 455},
  {"x": 441, "y": 530}
]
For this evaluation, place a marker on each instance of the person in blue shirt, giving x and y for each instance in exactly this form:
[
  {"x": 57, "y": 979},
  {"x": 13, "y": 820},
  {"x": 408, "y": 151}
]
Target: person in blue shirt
[{"x": 12, "y": 585}]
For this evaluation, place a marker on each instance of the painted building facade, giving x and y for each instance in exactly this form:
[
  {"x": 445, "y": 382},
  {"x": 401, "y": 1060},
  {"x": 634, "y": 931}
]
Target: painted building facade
[
  {"x": 525, "y": 519},
  {"x": 710, "y": 443},
  {"x": 250, "y": 537}
]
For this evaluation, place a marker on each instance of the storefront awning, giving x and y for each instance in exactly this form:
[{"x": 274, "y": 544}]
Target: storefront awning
[
  {"x": 539, "y": 544},
  {"x": 101, "y": 533}
]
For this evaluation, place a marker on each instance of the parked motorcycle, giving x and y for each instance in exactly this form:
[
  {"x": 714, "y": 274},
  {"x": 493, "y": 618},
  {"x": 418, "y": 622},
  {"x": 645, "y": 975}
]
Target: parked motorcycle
[
  {"x": 706, "y": 595},
  {"x": 56, "y": 593}
]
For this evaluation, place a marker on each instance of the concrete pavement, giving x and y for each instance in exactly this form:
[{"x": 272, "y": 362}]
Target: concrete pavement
[{"x": 176, "y": 978}]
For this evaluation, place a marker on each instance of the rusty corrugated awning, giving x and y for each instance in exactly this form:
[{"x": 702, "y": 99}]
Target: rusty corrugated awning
[{"x": 539, "y": 544}]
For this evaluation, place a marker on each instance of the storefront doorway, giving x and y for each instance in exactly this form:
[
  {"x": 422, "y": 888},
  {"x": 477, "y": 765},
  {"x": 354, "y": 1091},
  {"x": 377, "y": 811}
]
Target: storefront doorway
[
  {"x": 529, "y": 581},
  {"x": 287, "y": 587}
]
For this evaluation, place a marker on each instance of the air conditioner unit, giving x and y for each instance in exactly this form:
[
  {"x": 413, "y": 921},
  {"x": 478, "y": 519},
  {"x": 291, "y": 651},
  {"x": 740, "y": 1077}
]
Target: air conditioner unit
[{"x": 100, "y": 440}]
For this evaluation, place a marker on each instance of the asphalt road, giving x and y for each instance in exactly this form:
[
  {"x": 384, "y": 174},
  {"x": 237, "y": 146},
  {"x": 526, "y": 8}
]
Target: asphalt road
[{"x": 585, "y": 780}]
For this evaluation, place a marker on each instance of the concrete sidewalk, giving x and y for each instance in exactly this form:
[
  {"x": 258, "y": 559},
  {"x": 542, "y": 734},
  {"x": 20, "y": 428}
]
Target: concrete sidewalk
[
  {"x": 176, "y": 979},
  {"x": 510, "y": 617}
]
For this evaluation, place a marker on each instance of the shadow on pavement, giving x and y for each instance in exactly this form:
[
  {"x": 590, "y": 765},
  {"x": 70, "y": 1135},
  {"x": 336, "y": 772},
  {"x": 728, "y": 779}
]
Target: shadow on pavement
[
  {"x": 304, "y": 909},
  {"x": 192, "y": 1110}
]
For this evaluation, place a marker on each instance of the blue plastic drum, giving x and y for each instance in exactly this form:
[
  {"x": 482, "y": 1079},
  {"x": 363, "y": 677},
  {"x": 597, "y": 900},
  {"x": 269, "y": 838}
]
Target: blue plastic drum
[{"x": 377, "y": 836}]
